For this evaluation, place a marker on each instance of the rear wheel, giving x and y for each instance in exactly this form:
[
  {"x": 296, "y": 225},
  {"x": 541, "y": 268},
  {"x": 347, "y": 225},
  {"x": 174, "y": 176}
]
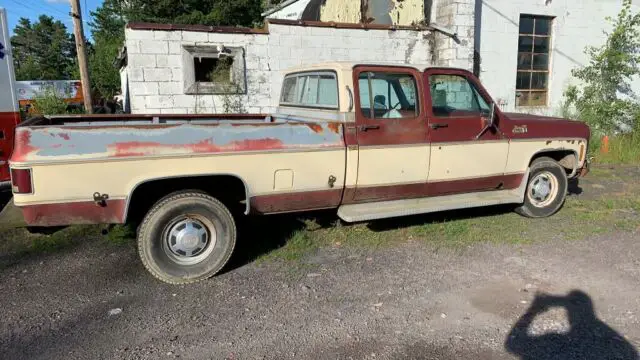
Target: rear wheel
[
  {"x": 186, "y": 237},
  {"x": 546, "y": 190}
]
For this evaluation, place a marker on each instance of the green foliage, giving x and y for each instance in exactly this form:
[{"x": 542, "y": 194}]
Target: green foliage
[
  {"x": 623, "y": 149},
  {"x": 49, "y": 102},
  {"x": 605, "y": 101},
  {"x": 43, "y": 50}
]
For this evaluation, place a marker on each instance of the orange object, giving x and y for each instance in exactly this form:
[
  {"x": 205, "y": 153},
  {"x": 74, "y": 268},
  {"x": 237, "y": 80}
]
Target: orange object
[{"x": 604, "y": 148}]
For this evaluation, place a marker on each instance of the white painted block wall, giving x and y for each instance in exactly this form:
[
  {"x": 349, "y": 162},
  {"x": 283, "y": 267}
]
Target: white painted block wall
[
  {"x": 577, "y": 24},
  {"x": 155, "y": 71}
]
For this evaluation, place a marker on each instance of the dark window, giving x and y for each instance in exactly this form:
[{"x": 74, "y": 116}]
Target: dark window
[
  {"x": 534, "y": 46},
  {"x": 387, "y": 95},
  {"x": 215, "y": 70}
]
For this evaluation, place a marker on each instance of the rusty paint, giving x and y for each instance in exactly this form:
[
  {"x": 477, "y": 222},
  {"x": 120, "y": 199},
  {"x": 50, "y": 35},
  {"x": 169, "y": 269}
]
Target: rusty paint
[
  {"x": 86, "y": 212},
  {"x": 137, "y": 148},
  {"x": 316, "y": 128},
  {"x": 297, "y": 201},
  {"x": 335, "y": 127},
  {"x": 99, "y": 142}
]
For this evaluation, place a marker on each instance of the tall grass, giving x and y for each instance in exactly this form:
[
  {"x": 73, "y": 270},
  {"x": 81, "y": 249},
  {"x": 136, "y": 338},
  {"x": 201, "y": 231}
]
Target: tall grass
[{"x": 623, "y": 149}]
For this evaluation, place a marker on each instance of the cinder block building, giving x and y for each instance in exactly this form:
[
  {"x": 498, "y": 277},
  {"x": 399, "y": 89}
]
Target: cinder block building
[{"x": 522, "y": 50}]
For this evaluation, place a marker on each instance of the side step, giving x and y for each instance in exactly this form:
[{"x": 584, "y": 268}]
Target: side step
[{"x": 388, "y": 209}]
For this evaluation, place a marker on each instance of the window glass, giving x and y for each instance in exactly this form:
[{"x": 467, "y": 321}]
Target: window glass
[
  {"x": 454, "y": 93},
  {"x": 534, "y": 47},
  {"x": 318, "y": 89},
  {"x": 289, "y": 90},
  {"x": 387, "y": 95}
]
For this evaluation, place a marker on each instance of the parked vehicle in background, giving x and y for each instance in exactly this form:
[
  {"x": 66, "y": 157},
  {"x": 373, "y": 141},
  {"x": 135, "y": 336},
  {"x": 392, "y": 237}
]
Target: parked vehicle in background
[
  {"x": 371, "y": 141},
  {"x": 70, "y": 91},
  {"x": 9, "y": 113}
]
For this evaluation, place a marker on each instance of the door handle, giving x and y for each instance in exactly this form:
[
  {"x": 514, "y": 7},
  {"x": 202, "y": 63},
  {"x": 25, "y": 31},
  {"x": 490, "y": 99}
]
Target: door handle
[
  {"x": 436, "y": 126},
  {"x": 368, "y": 127}
]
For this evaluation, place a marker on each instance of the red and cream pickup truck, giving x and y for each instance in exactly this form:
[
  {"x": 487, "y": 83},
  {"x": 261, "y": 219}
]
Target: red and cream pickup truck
[{"x": 370, "y": 141}]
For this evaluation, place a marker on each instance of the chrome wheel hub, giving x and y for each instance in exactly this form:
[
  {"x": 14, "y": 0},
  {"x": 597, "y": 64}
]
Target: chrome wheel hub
[
  {"x": 543, "y": 189},
  {"x": 188, "y": 241}
]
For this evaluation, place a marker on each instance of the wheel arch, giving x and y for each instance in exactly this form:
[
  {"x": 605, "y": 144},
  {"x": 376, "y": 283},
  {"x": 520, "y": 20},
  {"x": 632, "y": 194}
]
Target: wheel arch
[
  {"x": 159, "y": 187},
  {"x": 567, "y": 158}
]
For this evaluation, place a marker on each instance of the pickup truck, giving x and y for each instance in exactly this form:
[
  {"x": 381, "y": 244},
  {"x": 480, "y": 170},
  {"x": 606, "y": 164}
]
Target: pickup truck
[{"x": 371, "y": 141}]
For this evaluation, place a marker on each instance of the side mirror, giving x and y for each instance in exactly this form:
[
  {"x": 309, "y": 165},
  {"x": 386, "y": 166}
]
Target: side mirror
[{"x": 491, "y": 121}]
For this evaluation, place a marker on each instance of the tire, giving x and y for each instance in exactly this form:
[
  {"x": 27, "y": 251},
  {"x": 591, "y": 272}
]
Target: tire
[
  {"x": 546, "y": 189},
  {"x": 186, "y": 237}
]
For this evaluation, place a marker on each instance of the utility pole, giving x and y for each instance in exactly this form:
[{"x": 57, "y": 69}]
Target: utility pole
[{"x": 76, "y": 14}]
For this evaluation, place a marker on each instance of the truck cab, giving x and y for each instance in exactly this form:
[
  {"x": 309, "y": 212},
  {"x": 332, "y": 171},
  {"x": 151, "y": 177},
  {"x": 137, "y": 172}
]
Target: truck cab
[{"x": 371, "y": 141}]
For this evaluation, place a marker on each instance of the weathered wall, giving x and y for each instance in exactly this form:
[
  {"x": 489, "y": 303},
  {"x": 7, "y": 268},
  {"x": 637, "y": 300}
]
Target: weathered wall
[
  {"x": 347, "y": 11},
  {"x": 577, "y": 24},
  {"x": 387, "y": 12},
  {"x": 457, "y": 15},
  {"x": 155, "y": 71}
]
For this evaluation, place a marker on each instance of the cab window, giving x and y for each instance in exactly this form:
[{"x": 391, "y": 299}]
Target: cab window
[
  {"x": 454, "y": 95},
  {"x": 388, "y": 95},
  {"x": 316, "y": 89}
]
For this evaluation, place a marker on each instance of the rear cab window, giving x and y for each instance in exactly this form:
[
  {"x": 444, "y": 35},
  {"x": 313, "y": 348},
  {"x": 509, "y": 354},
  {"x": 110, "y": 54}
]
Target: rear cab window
[{"x": 318, "y": 89}]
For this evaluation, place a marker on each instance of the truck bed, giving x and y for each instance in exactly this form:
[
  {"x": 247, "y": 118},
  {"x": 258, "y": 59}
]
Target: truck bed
[{"x": 71, "y": 138}]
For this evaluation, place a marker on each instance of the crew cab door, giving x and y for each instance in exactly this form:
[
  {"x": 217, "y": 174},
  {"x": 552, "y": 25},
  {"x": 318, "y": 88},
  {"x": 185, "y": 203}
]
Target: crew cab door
[
  {"x": 464, "y": 158},
  {"x": 391, "y": 134}
]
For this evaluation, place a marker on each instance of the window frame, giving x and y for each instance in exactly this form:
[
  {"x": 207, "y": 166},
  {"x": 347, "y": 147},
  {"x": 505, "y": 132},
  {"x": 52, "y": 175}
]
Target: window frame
[
  {"x": 393, "y": 71},
  {"x": 299, "y": 104},
  {"x": 530, "y": 90}
]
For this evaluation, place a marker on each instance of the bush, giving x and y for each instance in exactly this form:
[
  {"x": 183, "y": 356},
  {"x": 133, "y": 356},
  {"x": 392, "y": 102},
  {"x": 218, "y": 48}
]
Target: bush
[
  {"x": 49, "y": 102},
  {"x": 605, "y": 100}
]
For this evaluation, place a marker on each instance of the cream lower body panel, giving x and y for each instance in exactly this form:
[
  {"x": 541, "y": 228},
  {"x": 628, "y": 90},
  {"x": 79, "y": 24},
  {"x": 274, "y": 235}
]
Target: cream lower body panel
[
  {"x": 261, "y": 173},
  {"x": 522, "y": 151},
  {"x": 393, "y": 165},
  {"x": 467, "y": 160}
]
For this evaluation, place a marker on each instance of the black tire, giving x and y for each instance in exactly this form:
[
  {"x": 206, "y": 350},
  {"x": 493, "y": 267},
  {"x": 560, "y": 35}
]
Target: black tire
[
  {"x": 165, "y": 259},
  {"x": 544, "y": 168}
]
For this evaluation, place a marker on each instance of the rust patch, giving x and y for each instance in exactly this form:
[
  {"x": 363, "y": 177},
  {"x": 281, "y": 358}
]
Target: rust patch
[
  {"x": 86, "y": 212},
  {"x": 335, "y": 127},
  {"x": 23, "y": 146},
  {"x": 316, "y": 128},
  {"x": 140, "y": 148}
]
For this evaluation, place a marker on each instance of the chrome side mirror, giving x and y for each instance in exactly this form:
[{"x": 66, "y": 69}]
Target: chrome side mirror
[{"x": 491, "y": 121}]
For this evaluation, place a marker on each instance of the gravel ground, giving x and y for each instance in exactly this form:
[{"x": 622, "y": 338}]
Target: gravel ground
[{"x": 411, "y": 301}]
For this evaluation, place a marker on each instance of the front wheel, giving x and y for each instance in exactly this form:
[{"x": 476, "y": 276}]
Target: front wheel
[
  {"x": 546, "y": 190},
  {"x": 186, "y": 237}
]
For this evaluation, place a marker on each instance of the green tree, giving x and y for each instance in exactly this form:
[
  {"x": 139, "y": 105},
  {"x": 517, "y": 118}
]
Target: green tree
[
  {"x": 605, "y": 99},
  {"x": 43, "y": 50}
]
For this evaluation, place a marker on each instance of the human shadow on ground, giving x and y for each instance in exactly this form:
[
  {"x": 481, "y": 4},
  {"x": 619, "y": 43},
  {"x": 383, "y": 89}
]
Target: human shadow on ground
[{"x": 587, "y": 338}]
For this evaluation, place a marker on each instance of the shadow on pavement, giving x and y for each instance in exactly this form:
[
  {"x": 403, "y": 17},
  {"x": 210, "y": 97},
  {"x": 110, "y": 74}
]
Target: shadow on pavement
[{"x": 587, "y": 338}]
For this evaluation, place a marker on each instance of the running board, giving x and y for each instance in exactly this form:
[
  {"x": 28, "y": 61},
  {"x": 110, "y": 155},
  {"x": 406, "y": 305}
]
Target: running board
[{"x": 396, "y": 208}]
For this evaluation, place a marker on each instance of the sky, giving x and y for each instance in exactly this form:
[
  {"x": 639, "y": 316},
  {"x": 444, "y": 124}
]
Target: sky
[{"x": 59, "y": 9}]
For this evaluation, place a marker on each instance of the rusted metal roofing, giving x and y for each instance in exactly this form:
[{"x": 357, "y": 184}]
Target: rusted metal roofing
[
  {"x": 195, "y": 28},
  {"x": 265, "y": 30}
]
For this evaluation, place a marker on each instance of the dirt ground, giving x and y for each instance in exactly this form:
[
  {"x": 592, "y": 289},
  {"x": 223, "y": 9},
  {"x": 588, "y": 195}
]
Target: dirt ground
[{"x": 556, "y": 297}]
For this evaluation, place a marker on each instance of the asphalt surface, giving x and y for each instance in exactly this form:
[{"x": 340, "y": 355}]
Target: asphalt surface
[{"x": 412, "y": 301}]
